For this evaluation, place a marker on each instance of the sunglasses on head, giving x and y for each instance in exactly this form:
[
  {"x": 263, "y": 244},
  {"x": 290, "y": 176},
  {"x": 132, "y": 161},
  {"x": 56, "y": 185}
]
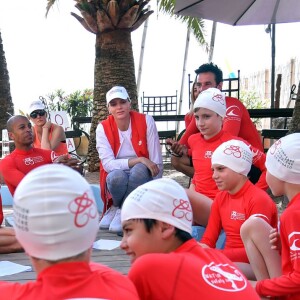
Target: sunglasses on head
[{"x": 35, "y": 113}]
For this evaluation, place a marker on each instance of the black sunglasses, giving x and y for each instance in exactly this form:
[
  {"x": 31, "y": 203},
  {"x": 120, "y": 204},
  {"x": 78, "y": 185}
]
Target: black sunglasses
[{"x": 35, "y": 113}]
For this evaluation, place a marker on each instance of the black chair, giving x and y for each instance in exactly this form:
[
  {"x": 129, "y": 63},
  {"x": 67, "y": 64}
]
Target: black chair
[
  {"x": 231, "y": 86},
  {"x": 162, "y": 105}
]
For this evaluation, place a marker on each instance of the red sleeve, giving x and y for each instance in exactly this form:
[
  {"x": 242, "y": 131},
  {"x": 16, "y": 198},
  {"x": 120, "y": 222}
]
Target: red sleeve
[
  {"x": 289, "y": 282},
  {"x": 234, "y": 115},
  {"x": 214, "y": 225},
  {"x": 187, "y": 119},
  {"x": 283, "y": 285},
  {"x": 191, "y": 129},
  {"x": 12, "y": 290},
  {"x": 263, "y": 206},
  {"x": 12, "y": 176}
]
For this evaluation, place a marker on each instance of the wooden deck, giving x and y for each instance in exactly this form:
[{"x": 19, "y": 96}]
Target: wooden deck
[{"x": 116, "y": 259}]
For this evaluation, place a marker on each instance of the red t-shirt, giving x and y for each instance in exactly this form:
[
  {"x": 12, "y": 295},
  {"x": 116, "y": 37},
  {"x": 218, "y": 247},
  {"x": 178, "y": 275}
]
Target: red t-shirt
[
  {"x": 20, "y": 162},
  {"x": 237, "y": 122},
  {"x": 201, "y": 151},
  {"x": 190, "y": 272},
  {"x": 72, "y": 280},
  {"x": 288, "y": 284},
  {"x": 231, "y": 211}
]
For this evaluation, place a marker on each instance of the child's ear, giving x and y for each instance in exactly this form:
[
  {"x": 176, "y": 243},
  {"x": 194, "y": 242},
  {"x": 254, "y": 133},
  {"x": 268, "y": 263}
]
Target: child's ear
[{"x": 167, "y": 230}]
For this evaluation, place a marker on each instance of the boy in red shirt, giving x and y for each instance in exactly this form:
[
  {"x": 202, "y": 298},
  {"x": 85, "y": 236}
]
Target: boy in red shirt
[
  {"x": 275, "y": 257},
  {"x": 236, "y": 121},
  {"x": 56, "y": 221},
  {"x": 167, "y": 263},
  {"x": 209, "y": 111},
  {"x": 237, "y": 200}
]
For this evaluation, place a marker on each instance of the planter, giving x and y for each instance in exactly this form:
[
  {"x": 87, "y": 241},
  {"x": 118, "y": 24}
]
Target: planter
[{"x": 81, "y": 145}]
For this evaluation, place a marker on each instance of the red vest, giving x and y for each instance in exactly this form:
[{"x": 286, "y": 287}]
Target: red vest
[{"x": 139, "y": 143}]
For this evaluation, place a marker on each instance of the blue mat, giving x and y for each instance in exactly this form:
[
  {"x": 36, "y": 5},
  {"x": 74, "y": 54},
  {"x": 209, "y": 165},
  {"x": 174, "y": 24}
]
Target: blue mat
[{"x": 7, "y": 199}]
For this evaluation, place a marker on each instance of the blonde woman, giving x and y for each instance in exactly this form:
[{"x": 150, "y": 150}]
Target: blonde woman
[{"x": 46, "y": 134}]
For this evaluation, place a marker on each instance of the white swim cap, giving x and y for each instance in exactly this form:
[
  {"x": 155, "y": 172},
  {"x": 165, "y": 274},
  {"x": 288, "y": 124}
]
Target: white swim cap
[
  {"x": 55, "y": 213},
  {"x": 283, "y": 159},
  {"x": 160, "y": 199},
  {"x": 235, "y": 155},
  {"x": 212, "y": 99}
]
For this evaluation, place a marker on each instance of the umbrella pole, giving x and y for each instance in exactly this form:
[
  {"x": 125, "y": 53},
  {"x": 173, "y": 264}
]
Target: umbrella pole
[{"x": 273, "y": 66}]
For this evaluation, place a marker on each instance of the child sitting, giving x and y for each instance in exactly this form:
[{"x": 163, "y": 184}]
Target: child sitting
[
  {"x": 167, "y": 262},
  {"x": 275, "y": 259},
  {"x": 237, "y": 200},
  {"x": 209, "y": 111}
]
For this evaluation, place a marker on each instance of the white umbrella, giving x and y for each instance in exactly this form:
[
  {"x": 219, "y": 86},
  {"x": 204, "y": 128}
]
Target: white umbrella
[
  {"x": 241, "y": 12},
  {"x": 244, "y": 12}
]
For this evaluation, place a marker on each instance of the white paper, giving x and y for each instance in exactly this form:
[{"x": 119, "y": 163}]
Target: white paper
[
  {"x": 9, "y": 268},
  {"x": 106, "y": 244}
]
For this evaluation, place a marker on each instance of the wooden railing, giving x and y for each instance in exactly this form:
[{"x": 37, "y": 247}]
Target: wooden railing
[{"x": 254, "y": 113}]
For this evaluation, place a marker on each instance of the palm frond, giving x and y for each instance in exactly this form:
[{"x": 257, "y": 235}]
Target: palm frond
[
  {"x": 195, "y": 24},
  {"x": 166, "y": 6},
  {"x": 50, "y": 3}
]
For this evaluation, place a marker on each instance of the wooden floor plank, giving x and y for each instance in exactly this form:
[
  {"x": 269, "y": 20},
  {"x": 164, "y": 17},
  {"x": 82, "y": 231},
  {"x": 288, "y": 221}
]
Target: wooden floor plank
[{"x": 116, "y": 259}]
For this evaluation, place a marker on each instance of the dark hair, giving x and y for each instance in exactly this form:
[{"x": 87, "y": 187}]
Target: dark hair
[
  {"x": 182, "y": 235},
  {"x": 210, "y": 67}
]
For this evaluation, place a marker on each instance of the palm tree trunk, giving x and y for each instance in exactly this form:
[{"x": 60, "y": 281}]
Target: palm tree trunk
[
  {"x": 7, "y": 107},
  {"x": 113, "y": 52},
  {"x": 295, "y": 122}
]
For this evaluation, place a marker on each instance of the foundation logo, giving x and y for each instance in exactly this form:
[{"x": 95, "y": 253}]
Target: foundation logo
[
  {"x": 224, "y": 277},
  {"x": 33, "y": 160},
  {"x": 233, "y": 150},
  {"x": 208, "y": 154},
  {"x": 219, "y": 98},
  {"x": 182, "y": 209},
  {"x": 83, "y": 209},
  {"x": 294, "y": 241}
]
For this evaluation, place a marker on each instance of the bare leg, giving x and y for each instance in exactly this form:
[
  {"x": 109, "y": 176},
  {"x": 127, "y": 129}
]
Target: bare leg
[
  {"x": 201, "y": 206},
  {"x": 246, "y": 270},
  {"x": 265, "y": 262},
  {"x": 183, "y": 165},
  {"x": 8, "y": 241}
]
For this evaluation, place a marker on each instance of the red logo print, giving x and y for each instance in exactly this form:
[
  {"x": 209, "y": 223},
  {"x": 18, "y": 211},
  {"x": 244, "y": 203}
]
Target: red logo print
[
  {"x": 182, "y": 209},
  {"x": 233, "y": 150},
  {"x": 294, "y": 241},
  {"x": 275, "y": 146},
  {"x": 218, "y": 98},
  {"x": 224, "y": 277},
  {"x": 83, "y": 208}
]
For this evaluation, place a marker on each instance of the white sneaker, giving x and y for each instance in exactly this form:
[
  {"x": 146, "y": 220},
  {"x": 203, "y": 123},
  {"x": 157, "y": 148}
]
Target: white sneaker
[
  {"x": 108, "y": 217},
  {"x": 116, "y": 225}
]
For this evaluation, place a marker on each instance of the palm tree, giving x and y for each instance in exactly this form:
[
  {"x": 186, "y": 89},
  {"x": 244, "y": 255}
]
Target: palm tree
[
  {"x": 7, "y": 107},
  {"x": 295, "y": 122},
  {"x": 112, "y": 21}
]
